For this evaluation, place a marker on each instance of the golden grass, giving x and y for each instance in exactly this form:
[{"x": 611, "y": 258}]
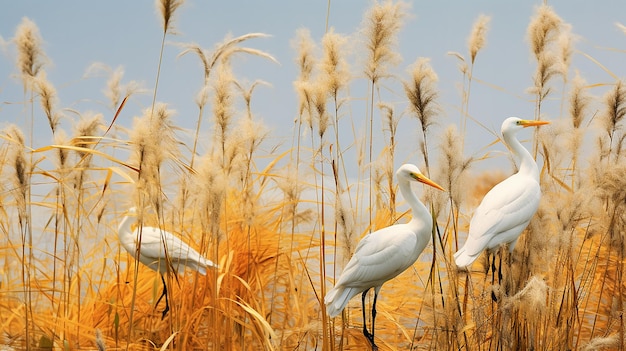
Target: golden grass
[{"x": 281, "y": 225}]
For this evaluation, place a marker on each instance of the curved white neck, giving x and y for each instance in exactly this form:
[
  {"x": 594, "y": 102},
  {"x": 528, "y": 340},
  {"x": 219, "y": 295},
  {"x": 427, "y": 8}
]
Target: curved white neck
[
  {"x": 527, "y": 164},
  {"x": 420, "y": 212}
]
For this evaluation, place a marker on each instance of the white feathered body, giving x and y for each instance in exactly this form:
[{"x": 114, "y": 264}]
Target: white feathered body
[
  {"x": 379, "y": 256},
  {"x": 155, "y": 243},
  {"x": 501, "y": 217},
  {"x": 507, "y": 209}
]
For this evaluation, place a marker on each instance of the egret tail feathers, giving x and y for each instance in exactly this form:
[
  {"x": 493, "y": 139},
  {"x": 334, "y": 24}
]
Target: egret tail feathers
[
  {"x": 462, "y": 259},
  {"x": 337, "y": 299}
]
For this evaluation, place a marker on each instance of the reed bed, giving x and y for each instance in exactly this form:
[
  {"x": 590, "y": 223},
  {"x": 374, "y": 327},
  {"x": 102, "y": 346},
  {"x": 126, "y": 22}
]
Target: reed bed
[{"x": 282, "y": 220}]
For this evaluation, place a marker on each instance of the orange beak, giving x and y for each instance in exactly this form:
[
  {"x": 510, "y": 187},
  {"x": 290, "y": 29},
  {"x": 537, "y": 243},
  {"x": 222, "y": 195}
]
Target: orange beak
[
  {"x": 423, "y": 179},
  {"x": 531, "y": 123}
]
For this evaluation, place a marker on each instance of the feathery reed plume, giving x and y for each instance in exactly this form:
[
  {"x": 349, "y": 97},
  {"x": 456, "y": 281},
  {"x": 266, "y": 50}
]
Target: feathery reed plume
[
  {"x": 579, "y": 101},
  {"x": 305, "y": 54},
  {"x": 478, "y": 37},
  {"x": 20, "y": 183},
  {"x": 543, "y": 33},
  {"x": 167, "y": 9},
  {"x": 20, "y": 178},
  {"x": 422, "y": 95},
  {"x": 113, "y": 90},
  {"x": 336, "y": 76},
  {"x": 333, "y": 65},
  {"x": 543, "y": 29},
  {"x": 223, "y": 107},
  {"x": 247, "y": 94},
  {"x": 60, "y": 138},
  {"x": 48, "y": 98},
  {"x": 475, "y": 42},
  {"x": 319, "y": 94},
  {"x": 621, "y": 27},
  {"x": 211, "y": 185},
  {"x": 306, "y": 62},
  {"x": 224, "y": 51},
  {"x": 153, "y": 142},
  {"x": 453, "y": 171},
  {"x": 612, "y": 190},
  {"x": 382, "y": 24},
  {"x": 390, "y": 123},
  {"x": 30, "y": 56},
  {"x": 615, "y": 110},
  {"x": 565, "y": 43},
  {"x": 251, "y": 135},
  {"x": 603, "y": 343},
  {"x": 86, "y": 131},
  {"x": 532, "y": 297},
  {"x": 547, "y": 67},
  {"x": 306, "y": 106}
]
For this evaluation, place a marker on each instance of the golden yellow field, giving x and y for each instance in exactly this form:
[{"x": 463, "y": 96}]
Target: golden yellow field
[{"x": 282, "y": 219}]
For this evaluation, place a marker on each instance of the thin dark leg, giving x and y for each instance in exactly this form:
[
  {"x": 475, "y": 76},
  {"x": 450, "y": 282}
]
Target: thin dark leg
[
  {"x": 493, "y": 267},
  {"x": 502, "y": 252},
  {"x": 365, "y": 332},
  {"x": 167, "y": 302},
  {"x": 374, "y": 347},
  {"x": 493, "y": 278}
]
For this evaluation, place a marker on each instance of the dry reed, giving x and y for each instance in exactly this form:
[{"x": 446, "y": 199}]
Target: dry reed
[{"x": 264, "y": 213}]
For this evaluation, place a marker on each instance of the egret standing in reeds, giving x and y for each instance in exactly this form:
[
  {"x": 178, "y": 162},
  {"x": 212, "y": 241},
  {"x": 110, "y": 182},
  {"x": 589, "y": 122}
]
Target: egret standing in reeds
[
  {"x": 385, "y": 253},
  {"x": 160, "y": 251},
  {"x": 508, "y": 207}
]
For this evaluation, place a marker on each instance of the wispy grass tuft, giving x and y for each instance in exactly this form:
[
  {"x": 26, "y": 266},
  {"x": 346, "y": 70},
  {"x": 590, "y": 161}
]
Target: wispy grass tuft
[
  {"x": 478, "y": 37},
  {"x": 167, "y": 9},
  {"x": 543, "y": 34},
  {"x": 268, "y": 215},
  {"x": 30, "y": 55},
  {"x": 422, "y": 95}
]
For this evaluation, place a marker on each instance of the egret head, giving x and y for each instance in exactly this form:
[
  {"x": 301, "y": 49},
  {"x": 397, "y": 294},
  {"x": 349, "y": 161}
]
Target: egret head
[
  {"x": 514, "y": 124},
  {"x": 132, "y": 211},
  {"x": 411, "y": 172}
]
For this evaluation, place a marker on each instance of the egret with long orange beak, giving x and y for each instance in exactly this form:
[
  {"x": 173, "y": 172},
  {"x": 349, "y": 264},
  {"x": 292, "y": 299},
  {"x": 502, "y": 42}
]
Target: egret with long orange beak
[
  {"x": 508, "y": 207},
  {"x": 385, "y": 253}
]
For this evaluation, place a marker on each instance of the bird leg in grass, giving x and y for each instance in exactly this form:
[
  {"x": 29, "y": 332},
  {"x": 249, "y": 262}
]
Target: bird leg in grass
[
  {"x": 500, "y": 266},
  {"x": 499, "y": 253},
  {"x": 368, "y": 335},
  {"x": 167, "y": 302},
  {"x": 493, "y": 275}
]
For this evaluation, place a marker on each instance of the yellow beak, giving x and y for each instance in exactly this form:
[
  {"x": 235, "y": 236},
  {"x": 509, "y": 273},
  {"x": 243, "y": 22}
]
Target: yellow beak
[
  {"x": 423, "y": 179},
  {"x": 531, "y": 123}
]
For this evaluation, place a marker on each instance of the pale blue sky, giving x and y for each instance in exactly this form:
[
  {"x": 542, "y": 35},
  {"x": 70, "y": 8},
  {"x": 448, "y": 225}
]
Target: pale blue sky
[{"x": 128, "y": 33}]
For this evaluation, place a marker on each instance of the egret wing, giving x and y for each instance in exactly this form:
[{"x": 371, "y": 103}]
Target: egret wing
[
  {"x": 509, "y": 205},
  {"x": 379, "y": 257},
  {"x": 151, "y": 244}
]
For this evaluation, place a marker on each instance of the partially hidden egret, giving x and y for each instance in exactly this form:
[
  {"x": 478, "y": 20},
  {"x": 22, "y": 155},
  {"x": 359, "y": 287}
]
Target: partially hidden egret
[
  {"x": 160, "y": 251},
  {"x": 385, "y": 253},
  {"x": 508, "y": 207}
]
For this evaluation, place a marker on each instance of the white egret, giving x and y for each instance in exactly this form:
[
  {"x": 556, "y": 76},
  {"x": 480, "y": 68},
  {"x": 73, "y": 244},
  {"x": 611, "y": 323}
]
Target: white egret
[
  {"x": 508, "y": 207},
  {"x": 385, "y": 253},
  {"x": 160, "y": 251}
]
